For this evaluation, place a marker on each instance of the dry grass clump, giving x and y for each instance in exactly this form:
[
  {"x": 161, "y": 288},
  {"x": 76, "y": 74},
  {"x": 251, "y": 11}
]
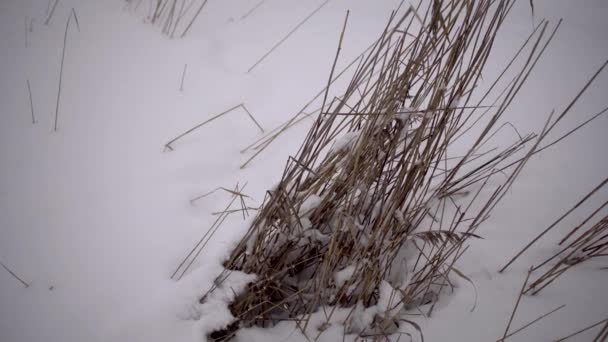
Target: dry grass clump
[
  {"x": 173, "y": 16},
  {"x": 375, "y": 209}
]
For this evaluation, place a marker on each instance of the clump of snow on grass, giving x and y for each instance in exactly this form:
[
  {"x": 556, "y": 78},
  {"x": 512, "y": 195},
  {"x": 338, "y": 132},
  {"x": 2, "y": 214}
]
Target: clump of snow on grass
[
  {"x": 309, "y": 204},
  {"x": 405, "y": 113},
  {"x": 251, "y": 243},
  {"x": 390, "y": 301},
  {"x": 316, "y": 236},
  {"x": 361, "y": 319},
  {"x": 455, "y": 103},
  {"x": 345, "y": 142},
  {"x": 389, "y": 305},
  {"x": 215, "y": 314},
  {"x": 341, "y": 277}
]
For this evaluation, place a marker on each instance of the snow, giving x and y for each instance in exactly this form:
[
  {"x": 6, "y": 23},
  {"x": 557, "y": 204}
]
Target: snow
[
  {"x": 455, "y": 102},
  {"x": 389, "y": 301},
  {"x": 96, "y": 217},
  {"x": 215, "y": 314},
  {"x": 345, "y": 142},
  {"x": 405, "y": 113},
  {"x": 342, "y": 276},
  {"x": 309, "y": 205},
  {"x": 361, "y": 319}
]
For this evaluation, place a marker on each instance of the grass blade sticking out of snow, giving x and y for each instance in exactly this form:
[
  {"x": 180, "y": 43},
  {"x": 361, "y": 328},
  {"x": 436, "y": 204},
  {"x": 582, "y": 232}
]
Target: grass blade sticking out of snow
[
  {"x": 29, "y": 90},
  {"x": 544, "y": 232},
  {"x": 26, "y": 30},
  {"x": 589, "y": 245},
  {"x": 583, "y": 330},
  {"x": 198, "y": 12},
  {"x": 252, "y": 118},
  {"x": 187, "y": 262},
  {"x": 15, "y": 275},
  {"x": 521, "y": 292},
  {"x": 248, "y": 13},
  {"x": 233, "y": 192},
  {"x": 168, "y": 14},
  {"x": 65, "y": 39},
  {"x": 602, "y": 336},
  {"x": 48, "y": 19},
  {"x": 532, "y": 323},
  {"x": 168, "y": 144},
  {"x": 181, "y": 86},
  {"x": 242, "y": 106},
  {"x": 287, "y": 35}
]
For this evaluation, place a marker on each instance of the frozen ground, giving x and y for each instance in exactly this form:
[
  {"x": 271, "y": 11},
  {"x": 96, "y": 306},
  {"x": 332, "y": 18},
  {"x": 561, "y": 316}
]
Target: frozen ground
[{"x": 96, "y": 216}]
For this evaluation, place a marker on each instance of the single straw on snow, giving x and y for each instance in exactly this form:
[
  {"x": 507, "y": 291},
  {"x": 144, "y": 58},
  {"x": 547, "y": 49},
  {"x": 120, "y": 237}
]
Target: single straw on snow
[
  {"x": 287, "y": 35},
  {"x": 65, "y": 38}
]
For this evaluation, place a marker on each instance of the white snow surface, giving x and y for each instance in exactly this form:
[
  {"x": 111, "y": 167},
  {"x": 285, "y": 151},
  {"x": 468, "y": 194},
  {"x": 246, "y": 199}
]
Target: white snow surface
[{"x": 96, "y": 217}]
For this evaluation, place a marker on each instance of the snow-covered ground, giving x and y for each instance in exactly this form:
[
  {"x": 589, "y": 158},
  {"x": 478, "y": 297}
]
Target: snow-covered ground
[{"x": 96, "y": 216}]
